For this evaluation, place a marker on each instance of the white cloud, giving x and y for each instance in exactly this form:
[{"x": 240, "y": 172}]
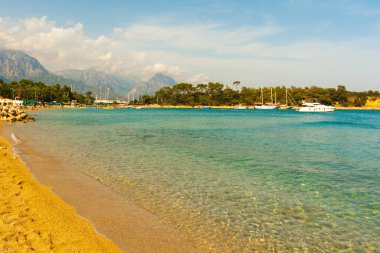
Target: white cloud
[
  {"x": 198, "y": 78},
  {"x": 106, "y": 57},
  {"x": 204, "y": 38},
  {"x": 38, "y": 24},
  {"x": 173, "y": 71},
  {"x": 198, "y": 53}
]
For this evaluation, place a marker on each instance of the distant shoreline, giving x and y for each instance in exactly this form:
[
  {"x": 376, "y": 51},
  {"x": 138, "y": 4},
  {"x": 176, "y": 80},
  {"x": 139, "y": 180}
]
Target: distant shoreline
[
  {"x": 188, "y": 107},
  {"x": 358, "y": 108}
]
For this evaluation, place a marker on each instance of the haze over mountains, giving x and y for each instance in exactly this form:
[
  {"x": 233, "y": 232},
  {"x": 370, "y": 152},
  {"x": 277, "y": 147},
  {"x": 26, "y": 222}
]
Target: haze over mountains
[
  {"x": 16, "y": 65},
  {"x": 155, "y": 83},
  {"x": 102, "y": 84}
]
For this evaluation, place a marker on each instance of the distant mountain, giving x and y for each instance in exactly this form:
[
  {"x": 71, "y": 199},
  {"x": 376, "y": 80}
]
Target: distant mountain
[
  {"x": 149, "y": 87},
  {"x": 16, "y": 65},
  {"x": 101, "y": 83}
]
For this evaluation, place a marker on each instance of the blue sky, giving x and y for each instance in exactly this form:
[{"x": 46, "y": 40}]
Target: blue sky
[
  {"x": 289, "y": 42},
  {"x": 303, "y": 18}
]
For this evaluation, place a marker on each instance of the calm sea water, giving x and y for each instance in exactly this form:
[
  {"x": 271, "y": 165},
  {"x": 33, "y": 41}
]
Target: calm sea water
[{"x": 235, "y": 180}]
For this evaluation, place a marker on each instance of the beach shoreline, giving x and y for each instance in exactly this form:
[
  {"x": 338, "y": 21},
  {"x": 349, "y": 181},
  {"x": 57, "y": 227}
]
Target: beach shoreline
[
  {"x": 130, "y": 227},
  {"x": 33, "y": 218}
]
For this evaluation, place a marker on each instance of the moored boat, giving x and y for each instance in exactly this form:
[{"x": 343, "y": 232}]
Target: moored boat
[
  {"x": 316, "y": 107},
  {"x": 286, "y": 106},
  {"x": 266, "y": 106}
]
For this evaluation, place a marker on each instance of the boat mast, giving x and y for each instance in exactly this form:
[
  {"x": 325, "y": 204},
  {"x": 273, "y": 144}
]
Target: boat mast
[
  {"x": 286, "y": 97},
  {"x": 262, "y": 96},
  {"x": 271, "y": 95},
  {"x": 275, "y": 97}
]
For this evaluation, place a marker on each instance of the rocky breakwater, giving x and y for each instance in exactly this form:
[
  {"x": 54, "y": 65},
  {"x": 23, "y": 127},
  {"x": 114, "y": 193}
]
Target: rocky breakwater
[{"x": 11, "y": 112}]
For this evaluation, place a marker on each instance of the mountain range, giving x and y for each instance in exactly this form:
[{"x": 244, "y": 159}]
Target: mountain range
[
  {"x": 103, "y": 84},
  {"x": 152, "y": 85},
  {"x": 17, "y": 65}
]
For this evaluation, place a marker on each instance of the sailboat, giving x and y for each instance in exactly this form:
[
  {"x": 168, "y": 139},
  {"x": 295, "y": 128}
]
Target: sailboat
[
  {"x": 266, "y": 106},
  {"x": 286, "y": 106}
]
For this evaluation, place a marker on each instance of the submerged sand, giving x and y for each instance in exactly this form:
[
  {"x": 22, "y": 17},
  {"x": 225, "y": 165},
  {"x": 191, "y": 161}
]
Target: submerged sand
[
  {"x": 33, "y": 219},
  {"x": 32, "y": 216}
]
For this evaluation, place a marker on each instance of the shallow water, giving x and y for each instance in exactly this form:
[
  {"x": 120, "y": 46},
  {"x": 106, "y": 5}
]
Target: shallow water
[{"x": 234, "y": 180}]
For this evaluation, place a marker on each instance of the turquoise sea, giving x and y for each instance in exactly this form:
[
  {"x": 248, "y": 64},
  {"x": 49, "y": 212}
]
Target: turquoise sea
[{"x": 234, "y": 180}]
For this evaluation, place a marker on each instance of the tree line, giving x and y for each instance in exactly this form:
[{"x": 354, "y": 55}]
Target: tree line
[
  {"x": 215, "y": 94},
  {"x": 37, "y": 91}
]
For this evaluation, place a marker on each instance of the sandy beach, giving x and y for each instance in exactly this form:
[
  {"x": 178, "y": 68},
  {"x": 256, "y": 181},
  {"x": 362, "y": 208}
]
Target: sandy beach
[
  {"x": 33, "y": 216},
  {"x": 33, "y": 219}
]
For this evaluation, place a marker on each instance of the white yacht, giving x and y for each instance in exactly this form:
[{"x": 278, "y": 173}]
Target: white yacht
[{"x": 316, "y": 107}]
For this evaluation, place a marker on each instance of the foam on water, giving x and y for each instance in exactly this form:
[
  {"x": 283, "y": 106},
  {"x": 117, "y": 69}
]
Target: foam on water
[
  {"x": 235, "y": 181},
  {"x": 15, "y": 139},
  {"x": 16, "y": 142}
]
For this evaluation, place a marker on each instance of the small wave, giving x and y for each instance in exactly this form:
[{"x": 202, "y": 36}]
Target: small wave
[
  {"x": 16, "y": 142},
  {"x": 15, "y": 139}
]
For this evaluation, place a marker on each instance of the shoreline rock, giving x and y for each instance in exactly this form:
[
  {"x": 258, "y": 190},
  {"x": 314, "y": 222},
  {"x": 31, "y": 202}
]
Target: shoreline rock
[{"x": 11, "y": 112}]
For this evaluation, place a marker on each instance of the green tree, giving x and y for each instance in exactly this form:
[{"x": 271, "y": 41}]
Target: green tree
[
  {"x": 88, "y": 98},
  {"x": 5, "y": 89},
  {"x": 147, "y": 100},
  {"x": 341, "y": 95},
  {"x": 230, "y": 97},
  {"x": 237, "y": 84},
  {"x": 215, "y": 92}
]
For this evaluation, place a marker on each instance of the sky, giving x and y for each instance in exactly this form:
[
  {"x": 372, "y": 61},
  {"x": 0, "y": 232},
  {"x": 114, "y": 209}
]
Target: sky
[{"x": 260, "y": 43}]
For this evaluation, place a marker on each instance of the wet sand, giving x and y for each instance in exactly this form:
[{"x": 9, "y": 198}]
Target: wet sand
[
  {"x": 130, "y": 227},
  {"x": 33, "y": 219}
]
